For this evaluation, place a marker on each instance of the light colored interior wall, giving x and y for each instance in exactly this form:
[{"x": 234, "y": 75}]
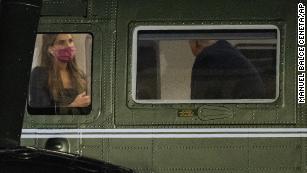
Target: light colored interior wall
[{"x": 176, "y": 62}]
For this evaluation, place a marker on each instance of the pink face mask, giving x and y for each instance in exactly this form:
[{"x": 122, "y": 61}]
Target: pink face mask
[{"x": 65, "y": 54}]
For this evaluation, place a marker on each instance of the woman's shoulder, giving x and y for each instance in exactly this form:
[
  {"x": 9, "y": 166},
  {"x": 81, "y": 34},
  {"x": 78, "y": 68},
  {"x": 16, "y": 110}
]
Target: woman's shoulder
[{"x": 39, "y": 72}]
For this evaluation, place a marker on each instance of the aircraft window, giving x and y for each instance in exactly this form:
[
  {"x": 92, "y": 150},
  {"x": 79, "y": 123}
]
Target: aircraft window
[
  {"x": 214, "y": 64},
  {"x": 60, "y": 81}
]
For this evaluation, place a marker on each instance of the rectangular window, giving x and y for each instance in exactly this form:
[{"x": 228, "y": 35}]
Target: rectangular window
[
  {"x": 205, "y": 64},
  {"x": 60, "y": 81}
]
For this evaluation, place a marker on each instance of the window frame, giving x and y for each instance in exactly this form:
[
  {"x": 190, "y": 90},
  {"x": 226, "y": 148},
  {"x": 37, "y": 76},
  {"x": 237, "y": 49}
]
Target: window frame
[
  {"x": 200, "y": 27},
  {"x": 50, "y": 110},
  {"x": 97, "y": 103}
]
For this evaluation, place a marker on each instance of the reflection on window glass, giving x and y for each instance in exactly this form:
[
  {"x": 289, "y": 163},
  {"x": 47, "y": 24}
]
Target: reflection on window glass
[
  {"x": 60, "y": 78},
  {"x": 219, "y": 65}
]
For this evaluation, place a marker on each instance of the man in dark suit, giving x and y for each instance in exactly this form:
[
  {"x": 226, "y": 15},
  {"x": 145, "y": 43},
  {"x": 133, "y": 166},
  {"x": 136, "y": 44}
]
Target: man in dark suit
[{"x": 220, "y": 71}]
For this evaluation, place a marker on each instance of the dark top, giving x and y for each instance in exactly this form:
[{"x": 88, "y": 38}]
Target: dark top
[
  {"x": 40, "y": 97},
  {"x": 221, "y": 72}
]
